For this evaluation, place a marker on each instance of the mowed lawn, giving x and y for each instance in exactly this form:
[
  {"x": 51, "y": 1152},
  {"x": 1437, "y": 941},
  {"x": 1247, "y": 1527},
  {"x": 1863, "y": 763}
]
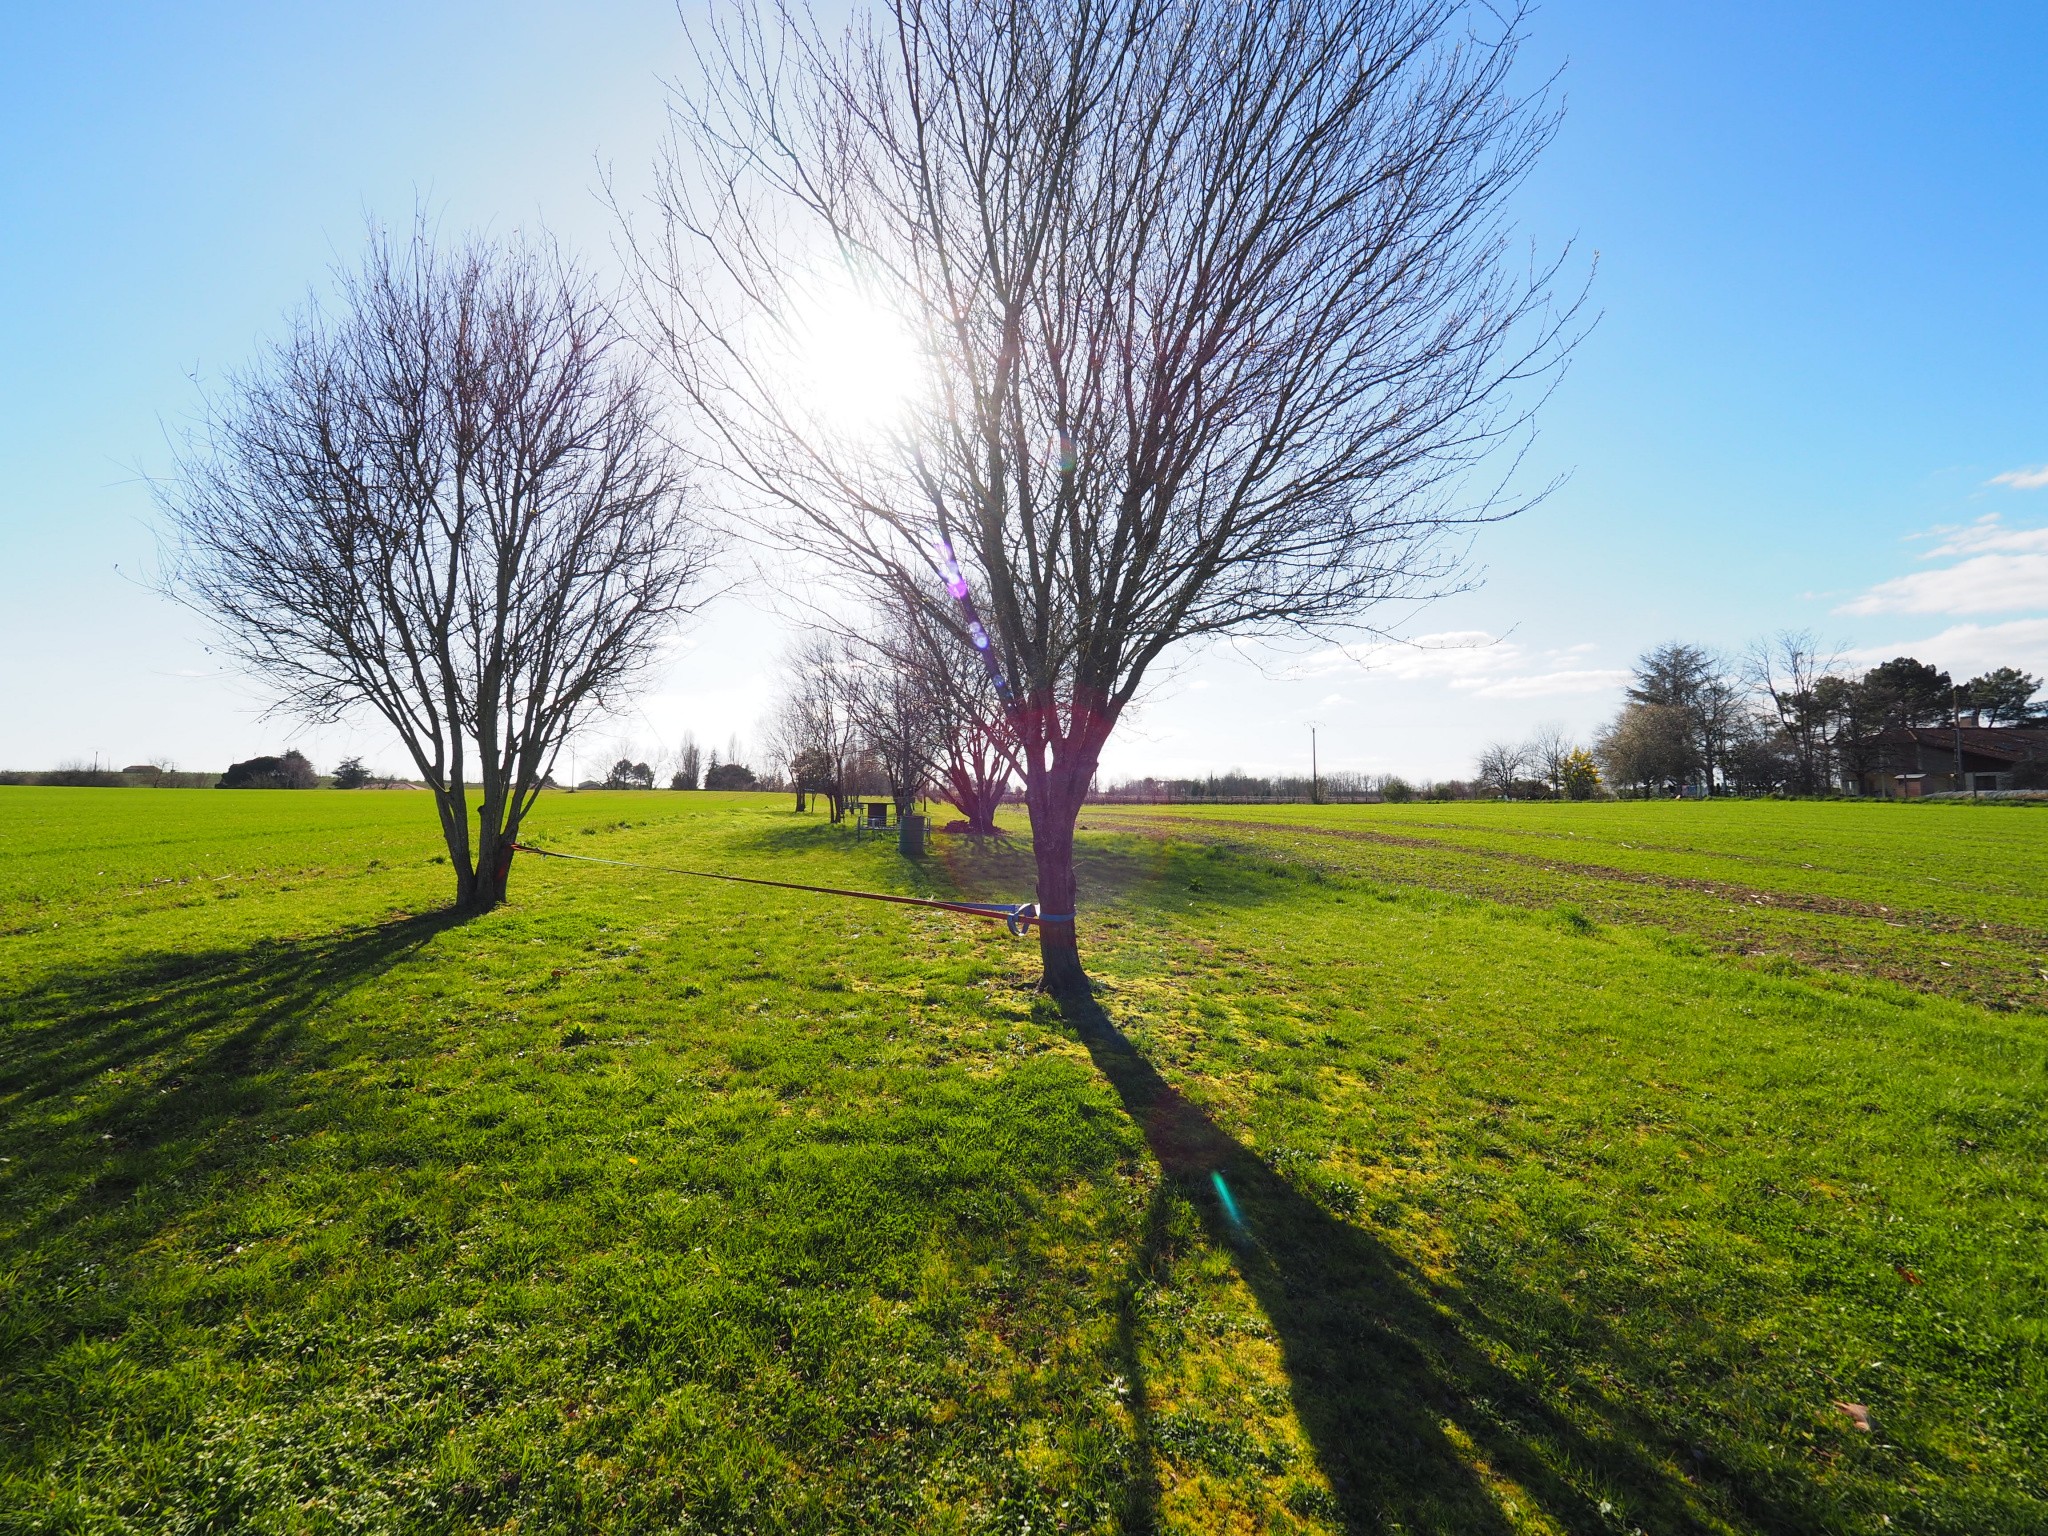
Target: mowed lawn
[{"x": 1461, "y": 1169}]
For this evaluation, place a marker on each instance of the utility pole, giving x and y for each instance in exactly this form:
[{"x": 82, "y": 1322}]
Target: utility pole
[
  {"x": 1315, "y": 774},
  {"x": 1956, "y": 714}
]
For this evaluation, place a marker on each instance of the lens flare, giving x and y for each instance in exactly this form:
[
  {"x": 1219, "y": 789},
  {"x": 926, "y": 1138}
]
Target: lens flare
[{"x": 1227, "y": 1200}]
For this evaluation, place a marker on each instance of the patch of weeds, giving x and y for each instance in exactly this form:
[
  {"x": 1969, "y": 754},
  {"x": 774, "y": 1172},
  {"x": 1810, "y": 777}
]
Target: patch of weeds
[
  {"x": 1337, "y": 1195},
  {"x": 1575, "y": 920},
  {"x": 1312, "y": 1501},
  {"x": 1230, "y": 1449},
  {"x": 395, "y": 1228}
]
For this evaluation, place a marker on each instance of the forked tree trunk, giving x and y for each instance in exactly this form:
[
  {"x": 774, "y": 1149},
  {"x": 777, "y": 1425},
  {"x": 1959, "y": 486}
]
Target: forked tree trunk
[
  {"x": 1059, "y": 950},
  {"x": 977, "y": 795},
  {"x": 480, "y": 883},
  {"x": 1054, "y": 792}
]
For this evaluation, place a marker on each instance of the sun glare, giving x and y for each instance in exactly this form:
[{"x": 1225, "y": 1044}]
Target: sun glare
[{"x": 856, "y": 364}]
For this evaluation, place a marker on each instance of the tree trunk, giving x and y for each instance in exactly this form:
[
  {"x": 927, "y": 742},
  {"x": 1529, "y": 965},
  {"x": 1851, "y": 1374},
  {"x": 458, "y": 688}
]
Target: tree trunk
[
  {"x": 481, "y": 888},
  {"x": 1052, "y": 846},
  {"x": 1057, "y": 772}
]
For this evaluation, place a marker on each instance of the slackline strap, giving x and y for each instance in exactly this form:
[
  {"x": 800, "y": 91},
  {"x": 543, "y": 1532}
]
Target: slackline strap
[{"x": 1017, "y": 918}]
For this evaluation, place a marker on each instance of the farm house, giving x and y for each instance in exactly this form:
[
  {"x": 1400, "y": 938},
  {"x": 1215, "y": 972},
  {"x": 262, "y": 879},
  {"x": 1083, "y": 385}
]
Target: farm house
[{"x": 1911, "y": 761}]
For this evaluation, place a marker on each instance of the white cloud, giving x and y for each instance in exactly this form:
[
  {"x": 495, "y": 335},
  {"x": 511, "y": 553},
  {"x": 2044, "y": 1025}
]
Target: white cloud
[
  {"x": 1543, "y": 685},
  {"x": 1476, "y": 662},
  {"x": 1985, "y": 584},
  {"x": 1997, "y": 570},
  {"x": 1966, "y": 650},
  {"x": 1988, "y": 535},
  {"x": 2024, "y": 479},
  {"x": 1451, "y": 654}
]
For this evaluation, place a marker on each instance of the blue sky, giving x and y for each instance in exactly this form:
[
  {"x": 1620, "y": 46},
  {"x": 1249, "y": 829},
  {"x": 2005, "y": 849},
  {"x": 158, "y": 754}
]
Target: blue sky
[{"x": 1823, "y": 279}]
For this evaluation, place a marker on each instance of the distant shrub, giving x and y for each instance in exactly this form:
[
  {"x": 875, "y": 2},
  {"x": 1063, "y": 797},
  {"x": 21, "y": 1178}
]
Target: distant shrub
[
  {"x": 291, "y": 771},
  {"x": 80, "y": 776},
  {"x": 1581, "y": 775},
  {"x": 730, "y": 776}
]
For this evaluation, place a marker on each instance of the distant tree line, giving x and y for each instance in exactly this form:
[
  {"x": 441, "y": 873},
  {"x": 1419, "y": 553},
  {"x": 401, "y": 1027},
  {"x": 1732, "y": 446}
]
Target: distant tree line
[
  {"x": 75, "y": 775},
  {"x": 1786, "y": 717},
  {"x": 287, "y": 770},
  {"x": 1782, "y": 717},
  {"x": 1549, "y": 766},
  {"x": 685, "y": 769},
  {"x": 1239, "y": 787}
]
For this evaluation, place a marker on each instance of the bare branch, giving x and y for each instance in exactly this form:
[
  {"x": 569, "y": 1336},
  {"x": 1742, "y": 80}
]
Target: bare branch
[{"x": 447, "y": 498}]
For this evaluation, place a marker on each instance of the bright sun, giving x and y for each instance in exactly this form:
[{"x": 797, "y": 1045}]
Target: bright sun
[{"x": 856, "y": 364}]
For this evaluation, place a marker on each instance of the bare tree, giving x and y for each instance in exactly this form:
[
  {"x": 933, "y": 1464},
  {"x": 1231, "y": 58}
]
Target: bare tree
[
  {"x": 689, "y": 763},
  {"x": 1501, "y": 764},
  {"x": 1796, "y": 679},
  {"x": 813, "y": 733},
  {"x": 1550, "y": 752},
  {"x": 445, "y": 499},
  {"x": 1211, "y": 305},
  {"x": 976, "y": 752},
  {"x": 891, "y": 700}
]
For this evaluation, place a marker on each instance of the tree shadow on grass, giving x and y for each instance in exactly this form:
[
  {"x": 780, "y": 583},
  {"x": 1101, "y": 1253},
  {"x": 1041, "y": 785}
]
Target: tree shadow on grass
[
  {"x": 161, "y": 1066},
  {"x": 1130, "y": 871},
  {"x": 1388, "y": 1369}
]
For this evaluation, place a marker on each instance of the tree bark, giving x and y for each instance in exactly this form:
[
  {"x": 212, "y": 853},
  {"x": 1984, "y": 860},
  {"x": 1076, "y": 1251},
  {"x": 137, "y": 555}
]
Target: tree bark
[
  {"x": 1052, "y": 846},
  {"x": 481, "y": 887},
  {"x": 1057, "y": 776}
]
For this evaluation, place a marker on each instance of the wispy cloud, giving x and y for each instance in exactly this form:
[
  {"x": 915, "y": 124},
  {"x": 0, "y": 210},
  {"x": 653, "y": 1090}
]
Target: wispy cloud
[
  {"x": 1475, "y": 662},
  {"x": 1988, "y": 535},
  {"x": 2024, "y": 479},
  {"x": 1997, "y": 570},
  {"x": 1967, "y": 649},
  {"x": 1544, "y": 685}
]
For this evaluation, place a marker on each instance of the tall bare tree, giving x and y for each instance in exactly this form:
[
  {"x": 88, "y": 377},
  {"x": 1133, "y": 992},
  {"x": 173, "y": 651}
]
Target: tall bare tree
[
  {"x": 813, "y": 732},
  {"x": 895, "y": 708},
  {"x": 1502, "y": 765},
  {"x": 1796, "y": 679},
  {"x": 1551, "y": 752},
  {"x": 689, "y": 763},
  {"x": 1211, "y": 305},
  {"x": 446, "y": 499},
  {"x": 976, "y": 758}
]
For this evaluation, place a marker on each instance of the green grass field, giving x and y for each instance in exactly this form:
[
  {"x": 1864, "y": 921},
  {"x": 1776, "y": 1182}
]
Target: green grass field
[{"x": 1458, "y": 1169}]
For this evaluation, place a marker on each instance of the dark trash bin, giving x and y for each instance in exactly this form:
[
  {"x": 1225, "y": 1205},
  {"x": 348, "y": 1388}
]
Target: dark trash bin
[{"x": 910, "y": 836}]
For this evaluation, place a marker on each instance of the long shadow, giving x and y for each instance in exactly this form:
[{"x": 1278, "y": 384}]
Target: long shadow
[
  {"x": 1131, "y": 870},
  {"x": 1388, "y": 1370},
  {"x": 158, "y": 1067}
]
